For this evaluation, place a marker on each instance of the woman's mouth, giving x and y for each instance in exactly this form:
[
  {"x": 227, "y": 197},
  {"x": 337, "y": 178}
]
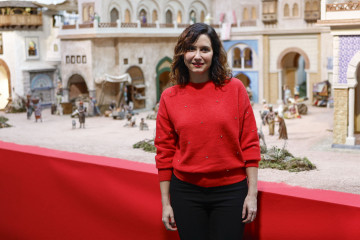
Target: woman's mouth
[{"x": 198, "y": 65}]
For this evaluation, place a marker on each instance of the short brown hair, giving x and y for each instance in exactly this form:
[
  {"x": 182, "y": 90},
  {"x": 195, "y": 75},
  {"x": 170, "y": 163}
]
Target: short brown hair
[{"x": 219, "y": 70}]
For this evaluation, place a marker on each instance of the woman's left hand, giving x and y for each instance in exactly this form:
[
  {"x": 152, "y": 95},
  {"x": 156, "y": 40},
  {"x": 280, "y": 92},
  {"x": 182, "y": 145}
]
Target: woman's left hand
[{"x": 249, "y": 209}]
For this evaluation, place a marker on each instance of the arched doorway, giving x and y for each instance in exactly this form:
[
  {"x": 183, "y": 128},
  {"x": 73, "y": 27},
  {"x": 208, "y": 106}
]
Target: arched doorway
[
  {"x": 162, "y": 76},
  {"x": 143, "y": 16},
  {"x": 164, "y": 81},
  {"x": 42, "y": 86},
  {"x": 294, "y": 75},
  {"x": 192, "y": 17},
  {"x": 357, "y": 105},
  {"x": 77, "y": 86},
  {"x": 136, "y": 90},
  {"x": 5, "y": 87},
  {"x": 127, "y": 16},
  {"x": 292, "y": 64},
  {"x": 168, "y": 17},
  {"x": 114, "y": 15},
  {"x": 246, "y": 81}
]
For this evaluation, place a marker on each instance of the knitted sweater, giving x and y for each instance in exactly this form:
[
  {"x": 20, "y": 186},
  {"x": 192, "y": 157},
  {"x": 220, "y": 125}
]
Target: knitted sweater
[{"x": 206, "y": 135}]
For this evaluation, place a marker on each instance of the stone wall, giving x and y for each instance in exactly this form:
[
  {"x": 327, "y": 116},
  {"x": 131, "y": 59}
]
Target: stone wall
[
  {"x": 273, "y": 87},
  {"x": 340, "y": 116}
]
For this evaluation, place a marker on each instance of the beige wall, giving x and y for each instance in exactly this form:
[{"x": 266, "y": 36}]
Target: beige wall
[
  {"x": 314, "y": 78},
  {"x": 340, "y": 116},
  {"x": 273, "y": 87},
  {"x": 266, "y": 75}
]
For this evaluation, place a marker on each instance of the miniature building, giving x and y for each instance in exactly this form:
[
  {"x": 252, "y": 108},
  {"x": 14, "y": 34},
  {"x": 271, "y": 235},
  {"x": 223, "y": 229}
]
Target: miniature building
[
  {"x": 269, "y": 43},
  {"x": 29, "y": 51},
  {"x": 344, "y": 19}
]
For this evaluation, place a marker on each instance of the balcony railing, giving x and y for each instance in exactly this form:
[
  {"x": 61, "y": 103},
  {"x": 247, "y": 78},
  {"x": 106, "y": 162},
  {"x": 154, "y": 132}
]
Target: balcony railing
[
  {"x": 20, "y": 20},
  {"x": 349, "y": 6},
  {"x": 135, "y": 25},
  {"x": 129, "y": 25},
  {"x": 85, "y": 25},
  {"x": 269, "y": 18},
  {"x": 248, "y": 23},
  {"x": 312, "y": 16},
  {"x": 166, "y": 25}
]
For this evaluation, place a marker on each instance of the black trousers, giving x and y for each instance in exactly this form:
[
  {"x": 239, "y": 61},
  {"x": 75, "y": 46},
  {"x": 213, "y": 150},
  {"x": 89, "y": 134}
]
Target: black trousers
[{"x": 208, "y": 213}]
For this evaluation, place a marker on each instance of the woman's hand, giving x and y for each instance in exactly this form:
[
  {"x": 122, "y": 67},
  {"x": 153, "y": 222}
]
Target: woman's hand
[
  {"x": 168, "y": 218},
  {"x": 249, "y": 208}
]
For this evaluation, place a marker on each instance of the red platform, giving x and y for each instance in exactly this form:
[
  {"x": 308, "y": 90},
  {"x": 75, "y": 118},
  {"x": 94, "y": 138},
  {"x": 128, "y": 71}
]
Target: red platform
[{"x": 50, "y": 194}]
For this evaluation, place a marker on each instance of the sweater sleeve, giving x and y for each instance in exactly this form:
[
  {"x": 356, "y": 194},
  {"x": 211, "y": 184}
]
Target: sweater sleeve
[
  {"x": 165, "y": 143},
  {"x": 249, "y": 139}
]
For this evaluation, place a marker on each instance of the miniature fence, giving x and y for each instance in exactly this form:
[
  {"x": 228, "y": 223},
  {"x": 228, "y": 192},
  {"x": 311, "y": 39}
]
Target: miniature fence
[
  {"x": 50, "y": 194},
  {"x": 349, "y": 6},
  {"x": 135, "y": 25}
]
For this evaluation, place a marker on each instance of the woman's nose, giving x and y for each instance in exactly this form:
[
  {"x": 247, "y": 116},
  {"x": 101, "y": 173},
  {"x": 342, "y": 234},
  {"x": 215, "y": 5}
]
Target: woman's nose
[{"x": 197, "y": 54}]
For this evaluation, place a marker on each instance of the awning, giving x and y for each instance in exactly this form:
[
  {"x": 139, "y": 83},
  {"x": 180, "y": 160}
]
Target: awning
[{"x": 110, "y": 78}]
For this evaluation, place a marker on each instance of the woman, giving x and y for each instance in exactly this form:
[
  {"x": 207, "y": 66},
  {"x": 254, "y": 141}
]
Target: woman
[{"x": 207, "y": 144}]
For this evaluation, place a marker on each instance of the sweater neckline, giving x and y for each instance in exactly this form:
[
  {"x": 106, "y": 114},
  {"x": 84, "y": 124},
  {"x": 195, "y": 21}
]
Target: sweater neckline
[{"x": 199, "y": 85}]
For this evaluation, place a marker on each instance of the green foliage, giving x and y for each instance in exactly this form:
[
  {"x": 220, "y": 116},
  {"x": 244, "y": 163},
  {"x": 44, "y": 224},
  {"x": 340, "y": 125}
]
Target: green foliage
[
  {"x": 282, "y": 159},
  {"x": 146, "y": 145},
  {"x": 277, "y": 158},
  {"x": 3, "y": 123}
]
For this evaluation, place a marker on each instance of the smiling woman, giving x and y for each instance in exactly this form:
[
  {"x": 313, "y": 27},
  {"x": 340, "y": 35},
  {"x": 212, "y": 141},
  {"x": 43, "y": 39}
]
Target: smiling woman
[
  {"x": 207, "y": 144},
  {"x": 198, "y": 59}
]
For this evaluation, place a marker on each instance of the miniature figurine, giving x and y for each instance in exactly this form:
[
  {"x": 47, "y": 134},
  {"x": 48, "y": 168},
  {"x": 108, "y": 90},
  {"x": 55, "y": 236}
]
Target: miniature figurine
[
  {"x": 287, "y": 94},
  {"x": 29, "y": 106},
  {"x": 261, "y": 135},
  {"x": 95, "y": 106},
  {"x": 112, "y": 106},
  {"x": 131, "y": 120},
  {"x": 264, "y": 111},
  {"x": 143, "y": 125},
  {"x": 81, "y": 111},
  {"x": 270, "y": 120},
  {"x": 282, "y": 127},
  {"x": 153, "y": 115},
  {"x": 293, "y": 111},
  {"x": 73, "y": 124},
  {"x": 37, "y": 108}
]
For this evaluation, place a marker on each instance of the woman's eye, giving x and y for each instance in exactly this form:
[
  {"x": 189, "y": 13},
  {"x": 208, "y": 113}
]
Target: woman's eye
[
  {"x": 205, "y": 49},
  {"x": 191, "y": 48}
]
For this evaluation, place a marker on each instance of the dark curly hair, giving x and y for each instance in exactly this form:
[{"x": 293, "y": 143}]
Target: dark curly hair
[{"x": 219, "y": 71}]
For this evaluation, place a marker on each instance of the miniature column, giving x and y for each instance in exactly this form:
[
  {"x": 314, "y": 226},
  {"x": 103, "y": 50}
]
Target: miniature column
[
  {"x": 350, "y": 140},
  {"x": 280, "y": 73},
  {"x": 308, "y": 92}
]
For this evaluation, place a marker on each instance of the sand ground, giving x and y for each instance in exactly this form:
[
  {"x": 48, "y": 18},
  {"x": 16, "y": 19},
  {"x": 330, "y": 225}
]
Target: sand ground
[{"x": 310, "y": 136}]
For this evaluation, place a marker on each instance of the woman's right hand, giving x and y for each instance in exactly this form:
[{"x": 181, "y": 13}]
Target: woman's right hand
[{"x": 168, "y": 218}]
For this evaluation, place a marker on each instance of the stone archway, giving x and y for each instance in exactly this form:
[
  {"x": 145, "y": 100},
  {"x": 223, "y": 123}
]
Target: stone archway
[
  {"x": 136, "y": 90},
  {"x": 162, "y": 76},
  {"x": 244, "y": 79},
  {"x": 5, "y": 84},
  {"x": 77, "y": 86},
  {"x": 353, "y": 78},
  {"x": 293, "y": 64}
]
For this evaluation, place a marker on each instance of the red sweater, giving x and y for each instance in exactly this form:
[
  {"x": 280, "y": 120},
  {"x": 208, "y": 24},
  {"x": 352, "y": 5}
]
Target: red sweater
[{"x": 206, "y": 135}]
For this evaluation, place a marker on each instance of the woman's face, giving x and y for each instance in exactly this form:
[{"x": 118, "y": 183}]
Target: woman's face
[{"x": 198, "y": 57}]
